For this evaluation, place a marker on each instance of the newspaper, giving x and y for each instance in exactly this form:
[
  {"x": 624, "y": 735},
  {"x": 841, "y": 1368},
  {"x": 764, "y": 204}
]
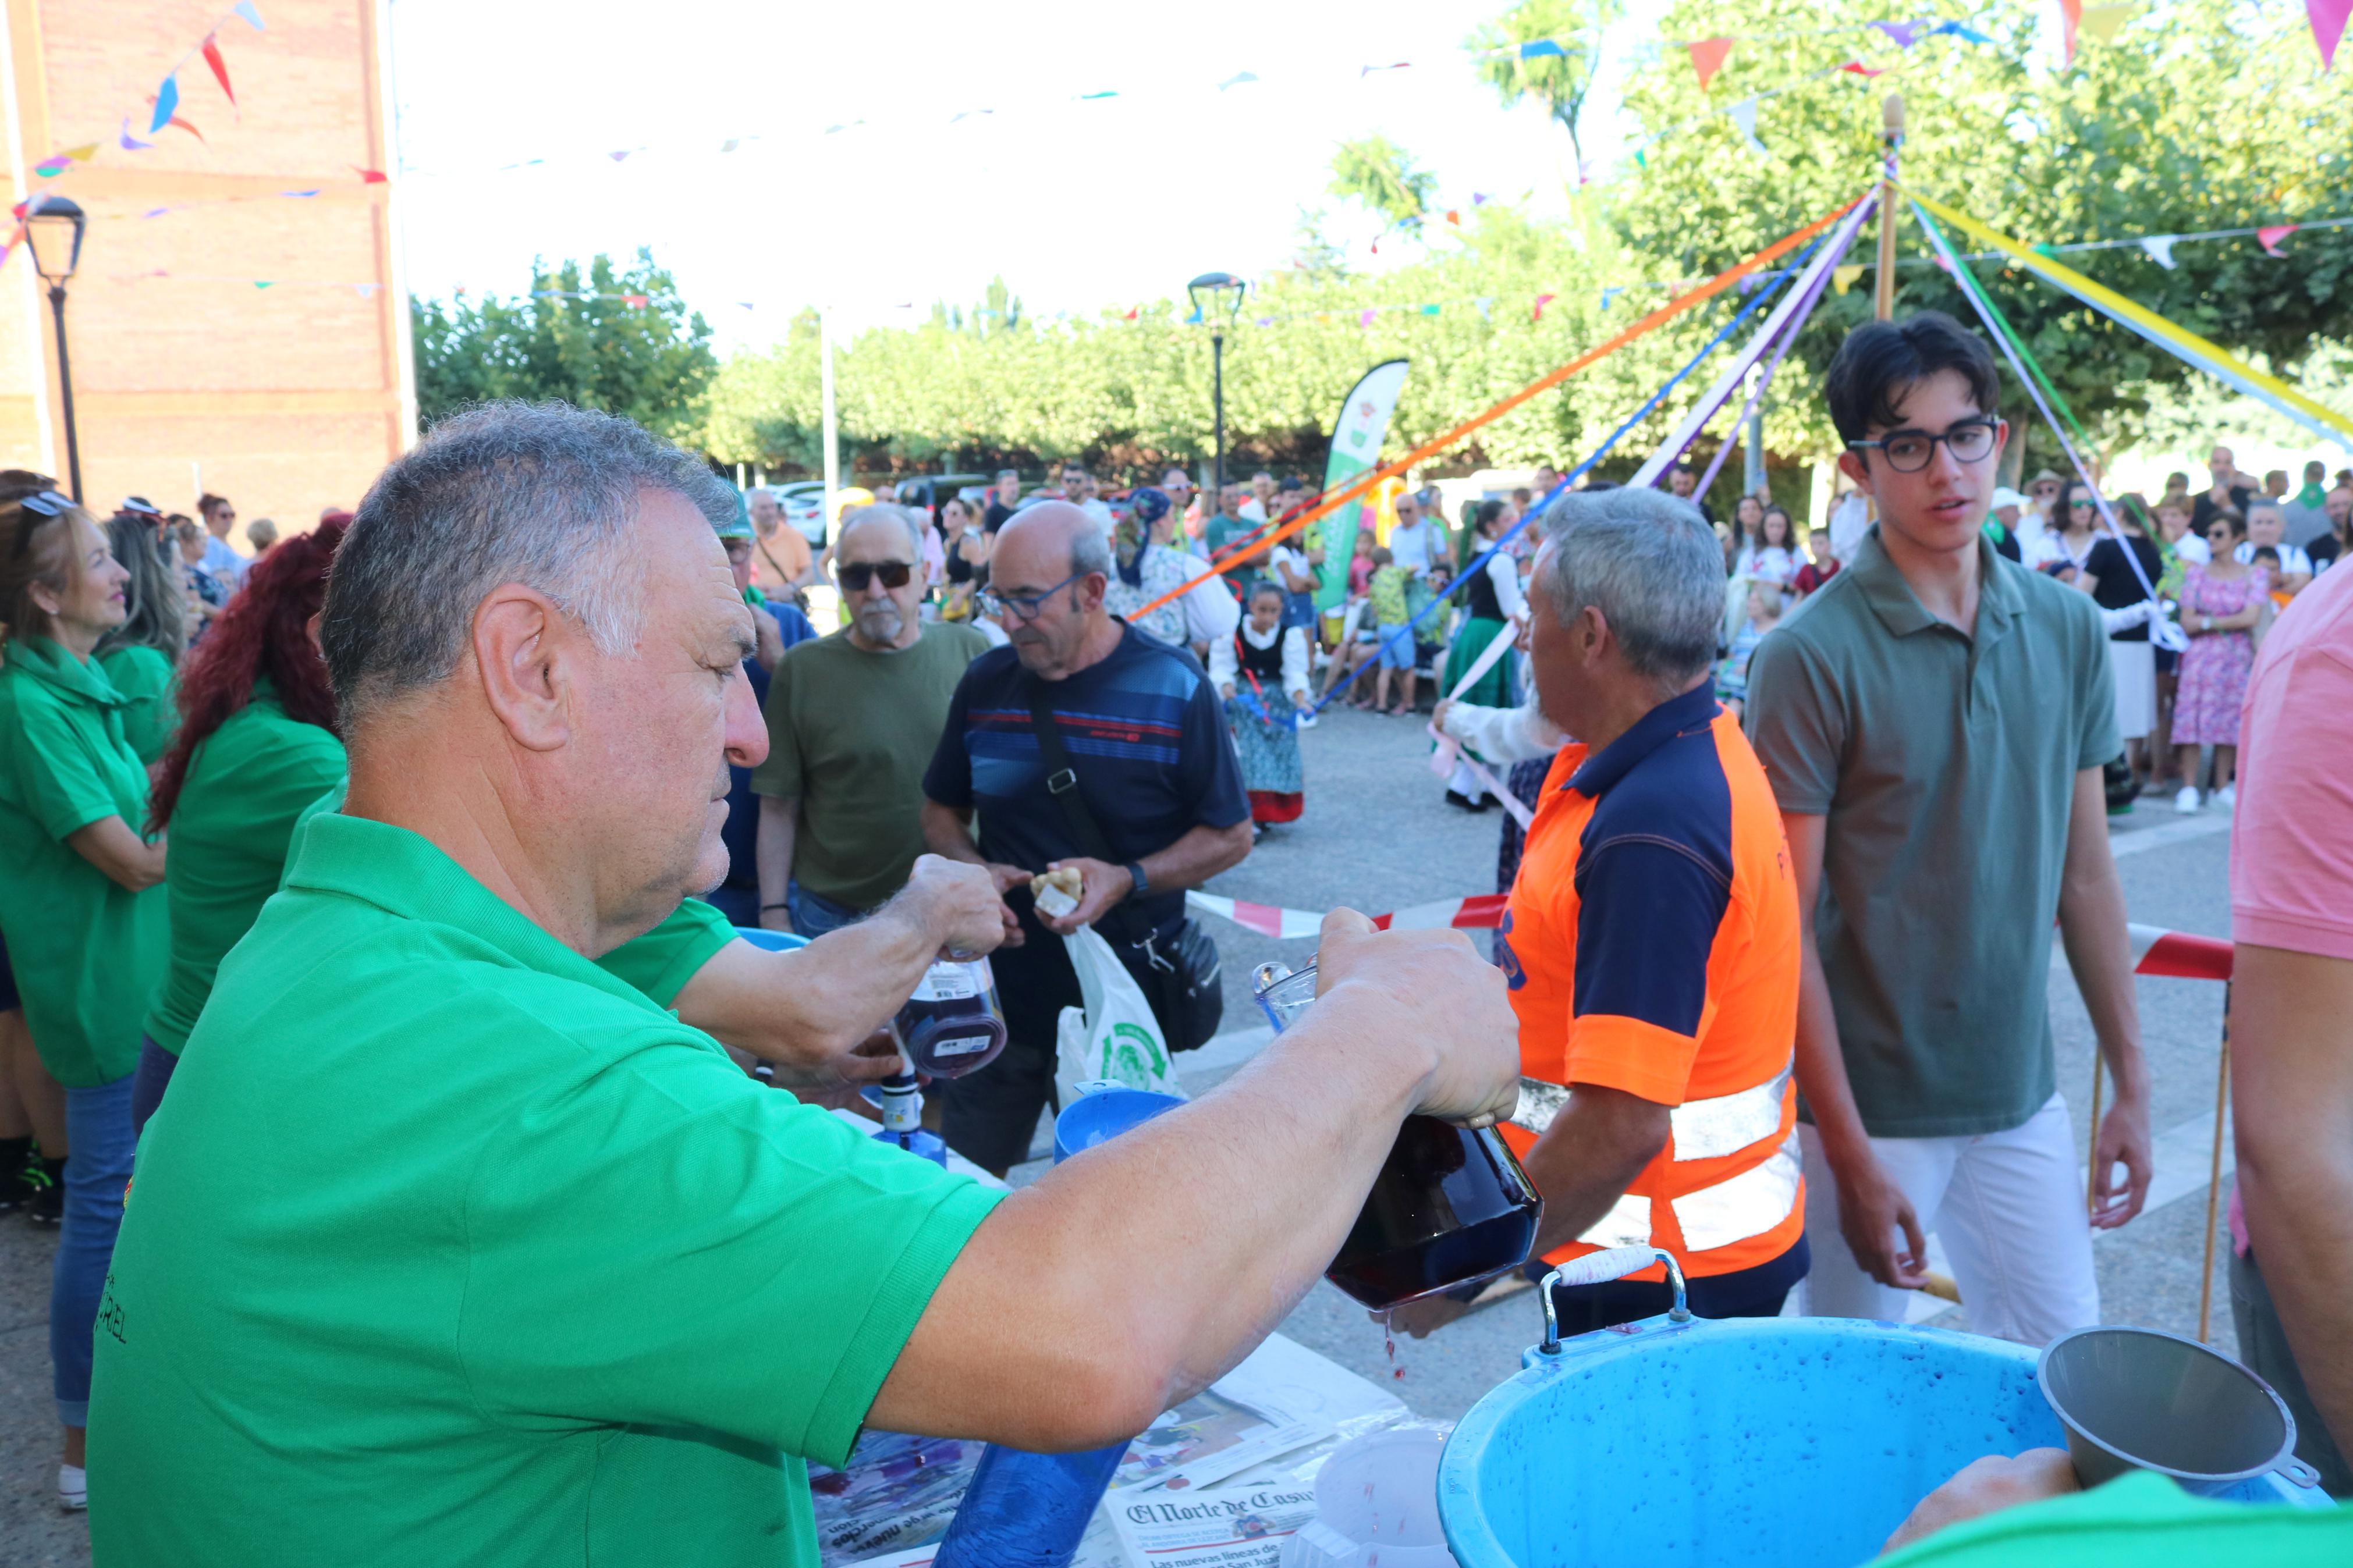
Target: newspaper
[{"x": 1241, "y": 1526}]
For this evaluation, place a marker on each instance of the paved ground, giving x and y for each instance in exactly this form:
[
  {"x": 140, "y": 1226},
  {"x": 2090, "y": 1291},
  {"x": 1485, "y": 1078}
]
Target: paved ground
[{"x": 1377, "y": 836}]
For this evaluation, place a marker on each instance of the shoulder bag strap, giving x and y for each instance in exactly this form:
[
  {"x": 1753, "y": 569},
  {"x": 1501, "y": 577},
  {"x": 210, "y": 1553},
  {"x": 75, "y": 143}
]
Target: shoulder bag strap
[{"x": 1062, "y": 780}]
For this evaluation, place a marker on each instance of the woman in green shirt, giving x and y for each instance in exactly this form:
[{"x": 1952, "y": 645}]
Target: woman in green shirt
[
  {"x": 79, "y": 902},
  {"x": 257, "y": 745},
  {"x": 139, "y": 655}
]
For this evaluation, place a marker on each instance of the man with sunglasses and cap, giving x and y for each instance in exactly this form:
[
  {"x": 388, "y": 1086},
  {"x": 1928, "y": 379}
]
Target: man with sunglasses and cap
[{"x": 852, "y": 719}]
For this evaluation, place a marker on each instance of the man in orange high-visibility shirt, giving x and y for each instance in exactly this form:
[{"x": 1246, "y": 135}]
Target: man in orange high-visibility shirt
[{"x": 1652, "y": 940}]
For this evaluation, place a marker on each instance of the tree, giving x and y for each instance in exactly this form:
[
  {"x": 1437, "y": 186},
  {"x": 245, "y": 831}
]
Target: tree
[
  {"x": 622, "y": 342},
  {"x": 2209, "y": 114},
  {"x": 1383, "y": 177},
  {"x": 1561, "y": 79}
]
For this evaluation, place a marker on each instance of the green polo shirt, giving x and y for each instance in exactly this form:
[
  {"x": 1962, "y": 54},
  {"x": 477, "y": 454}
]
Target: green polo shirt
[
  {"x": 247, "y": 783},
  {"x": 1945, "y": 763},
  {"x": 515, "y": 1268},
  {"x": 2141, "y": 1519},
  {"x": 87, "y": 952},
  {"x": 151, "y": 713}
]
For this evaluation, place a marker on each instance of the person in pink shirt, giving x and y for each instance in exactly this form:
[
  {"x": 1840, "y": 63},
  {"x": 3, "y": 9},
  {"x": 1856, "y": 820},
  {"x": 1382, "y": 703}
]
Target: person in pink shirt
[{"x": 2291, "y": 1022}]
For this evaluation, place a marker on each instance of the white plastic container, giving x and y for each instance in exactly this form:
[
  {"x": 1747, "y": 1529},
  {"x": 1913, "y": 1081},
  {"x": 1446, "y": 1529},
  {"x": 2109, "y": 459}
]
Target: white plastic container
[{"x": 1376, "y": 1498}]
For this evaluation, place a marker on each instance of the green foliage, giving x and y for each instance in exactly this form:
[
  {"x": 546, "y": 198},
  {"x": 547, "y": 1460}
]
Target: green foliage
[
  {"x": 1383, "y": 177},
  {"x": 651, "y": 362},
  {"x": 2207, "y": 114},
  {"x": 1560, "y": 81}
]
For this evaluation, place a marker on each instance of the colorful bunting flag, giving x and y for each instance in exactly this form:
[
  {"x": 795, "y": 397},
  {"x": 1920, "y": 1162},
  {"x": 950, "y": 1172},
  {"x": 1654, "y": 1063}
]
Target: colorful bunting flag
[
  {"x": 1707, "y": 59},
  {"x": 1091, "y": 97},
  {"x": 1859, "y": 68},
  {"x": 1958, "y": 30},
  {"x": 1843, "y": 278},
  {"x": 251, "y": 13},
  {"x": 1364, "y": 72},
  {"x": 1743, "y": 115},
  {"x": 2160, "y": 249},
  {"x": 167, "y": 99},
  {"x": 189, "y": 129},
  {"x": 2102, "y": 21},
  {"x": 1542, "y": 300},
  {"x": 56, "y": 164},
  {"x": 258, "y": 282},
  {"x": 1237, "y": 79},
  {"x": 635, "y": 302},
  {"x": 1429, "y": 310},
  {"x": 1610, "y": 294},
  {"x": 2327, "y": 17},
  {"x": 1454, "y": 217},
  {"x": 1540, "y": 47},
  {"x": 2269, "y": 238},
  {"x": 129, "y": 142},
  {"x": 1903, "y": 33},
  {"x": 2071, "y": 18},
  {"x": 211, "y": 51},
  {"x": 370, "y": 176}
]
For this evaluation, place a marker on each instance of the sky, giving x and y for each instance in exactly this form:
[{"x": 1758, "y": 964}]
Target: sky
[{"x": 1076, "y": 203}]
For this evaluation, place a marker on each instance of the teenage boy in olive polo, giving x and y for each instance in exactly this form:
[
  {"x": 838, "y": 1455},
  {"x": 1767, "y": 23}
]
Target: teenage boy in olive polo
[
  {"x": 517, "y": 1268},
  {"x": 1934, "y": 721}
]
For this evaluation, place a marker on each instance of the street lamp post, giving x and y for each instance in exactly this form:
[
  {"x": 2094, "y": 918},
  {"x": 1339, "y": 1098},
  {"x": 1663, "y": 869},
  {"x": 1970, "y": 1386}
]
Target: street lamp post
[
  {"x": 1212, "y": 291},
  {"x": 54, "y": 231}
]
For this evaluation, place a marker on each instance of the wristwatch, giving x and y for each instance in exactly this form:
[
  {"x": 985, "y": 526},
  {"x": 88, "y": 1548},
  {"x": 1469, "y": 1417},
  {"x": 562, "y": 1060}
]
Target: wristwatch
[{"x": 1142, "y": 884}]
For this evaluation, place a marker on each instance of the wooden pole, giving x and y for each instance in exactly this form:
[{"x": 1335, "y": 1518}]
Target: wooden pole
[
  {"x": 1891, "y": 135},
  {"x": 2214, "y": 1173}
]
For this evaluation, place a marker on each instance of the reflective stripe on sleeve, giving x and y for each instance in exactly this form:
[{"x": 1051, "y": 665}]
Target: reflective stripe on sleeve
[
  {"x": 1711, "y": 1128},
  {"x": 1738, "y": 1207},
  {"x": 1628, "y": 1224}
]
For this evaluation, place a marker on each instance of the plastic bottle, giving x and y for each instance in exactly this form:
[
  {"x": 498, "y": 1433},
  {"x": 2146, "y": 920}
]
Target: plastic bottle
[{"x": 1026, "y": 1510}]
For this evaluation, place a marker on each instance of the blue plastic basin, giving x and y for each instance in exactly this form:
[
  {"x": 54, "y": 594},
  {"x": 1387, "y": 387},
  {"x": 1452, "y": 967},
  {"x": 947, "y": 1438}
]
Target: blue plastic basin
[
  {"x": 774, "y": 941},
  {"x": 1772, "y": 1442},
  {"x": 1093, "y": 1119}
]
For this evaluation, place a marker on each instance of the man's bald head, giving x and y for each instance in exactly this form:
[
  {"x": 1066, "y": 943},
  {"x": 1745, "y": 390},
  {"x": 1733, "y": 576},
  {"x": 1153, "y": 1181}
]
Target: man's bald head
[
  {"x": 1055, "y": 537},
  {"x": 1050, "y": 568}
]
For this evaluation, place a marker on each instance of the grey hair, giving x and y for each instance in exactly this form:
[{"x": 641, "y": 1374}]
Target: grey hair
[
  {"x": 903, "y": 516},
  {"x": 541, "y": 494},
  {"x": 158, "y": 616},
  {"x": 2268, "y": 503},
  {"x": 1090, "y": 551},
  {"x": 1650, "y": 565}
]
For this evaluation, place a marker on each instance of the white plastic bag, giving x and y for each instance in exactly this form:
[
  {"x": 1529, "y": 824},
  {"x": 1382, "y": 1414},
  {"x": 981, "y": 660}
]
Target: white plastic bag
[{"x": 1114, "y": 1037}]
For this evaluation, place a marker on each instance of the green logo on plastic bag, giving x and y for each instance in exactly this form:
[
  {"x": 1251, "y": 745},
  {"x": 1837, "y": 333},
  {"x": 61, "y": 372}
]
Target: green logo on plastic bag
[{"x": 1132, "y": 1056}]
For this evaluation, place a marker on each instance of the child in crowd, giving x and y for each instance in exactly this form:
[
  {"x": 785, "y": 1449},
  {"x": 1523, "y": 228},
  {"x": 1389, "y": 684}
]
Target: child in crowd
[
  {"x": 1385, "y": 580},
  {"x": 1360, "y": 565},
  {"x": 1763, "y": 615},
  {"x": 2268, "y": 559},
  {"x": 1819, "y": 570},
  {"x": 1389, "y": 617}
]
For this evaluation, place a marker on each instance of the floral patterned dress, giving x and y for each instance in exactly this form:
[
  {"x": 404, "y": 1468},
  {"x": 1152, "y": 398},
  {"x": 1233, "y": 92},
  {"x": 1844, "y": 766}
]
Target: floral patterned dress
[{"x": 2214, "y": 670}]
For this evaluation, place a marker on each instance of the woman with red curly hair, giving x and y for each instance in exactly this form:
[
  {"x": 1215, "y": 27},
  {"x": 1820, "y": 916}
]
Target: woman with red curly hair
[{"x": 257, "y": 742}]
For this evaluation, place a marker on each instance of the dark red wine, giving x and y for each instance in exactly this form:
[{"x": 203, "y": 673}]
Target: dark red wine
[
  {"x": 953, "y": 1025},
  {"x": 1449, "y": 1207}
]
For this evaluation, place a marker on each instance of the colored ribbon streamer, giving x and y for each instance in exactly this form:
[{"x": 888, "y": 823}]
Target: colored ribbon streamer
[
  {"x": 2211, "y": 358},
  {"x": 1362, "y": 484}
]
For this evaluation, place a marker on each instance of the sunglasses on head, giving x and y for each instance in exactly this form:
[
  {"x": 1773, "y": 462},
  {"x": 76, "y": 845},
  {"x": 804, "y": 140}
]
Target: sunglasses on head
[
  {"x": 42, "y": 503},
  {"x": 856, "y": 576}
]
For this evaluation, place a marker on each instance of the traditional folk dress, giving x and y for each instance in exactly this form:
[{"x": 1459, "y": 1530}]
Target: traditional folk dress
[{"x": 1265, "y": 669}]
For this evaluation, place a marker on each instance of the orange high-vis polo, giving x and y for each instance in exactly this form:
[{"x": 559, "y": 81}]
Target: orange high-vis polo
[{"x": 1652, "y": 946}]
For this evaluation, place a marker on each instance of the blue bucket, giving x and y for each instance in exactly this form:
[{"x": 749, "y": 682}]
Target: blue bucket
[
  {"x": 774, "y": 941},
  {"x": 1769, "y": 1442},
  {"x": 1097, "y": 1117}
]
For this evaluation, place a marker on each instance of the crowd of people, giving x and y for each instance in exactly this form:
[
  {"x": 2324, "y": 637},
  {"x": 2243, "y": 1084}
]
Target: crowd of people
[{"x": 389, "y": 912}]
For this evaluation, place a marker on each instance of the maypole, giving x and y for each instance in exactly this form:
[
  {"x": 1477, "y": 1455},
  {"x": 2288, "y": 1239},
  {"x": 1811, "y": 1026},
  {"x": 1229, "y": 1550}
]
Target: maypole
[{"x": 1891, "y": 137}]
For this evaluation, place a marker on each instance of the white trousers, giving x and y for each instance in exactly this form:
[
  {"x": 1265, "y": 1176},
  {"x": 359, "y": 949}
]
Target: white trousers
[{"x": 2008, "y": 1209}]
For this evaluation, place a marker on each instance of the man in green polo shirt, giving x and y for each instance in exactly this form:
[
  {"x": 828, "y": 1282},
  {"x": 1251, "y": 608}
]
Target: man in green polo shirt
[
  {"x": 1934, "y": 722},
  {"x": 519, "y": 1269}
]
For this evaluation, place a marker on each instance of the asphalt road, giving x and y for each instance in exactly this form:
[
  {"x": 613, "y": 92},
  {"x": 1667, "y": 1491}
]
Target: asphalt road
[{"x": 1376, "y": 836}]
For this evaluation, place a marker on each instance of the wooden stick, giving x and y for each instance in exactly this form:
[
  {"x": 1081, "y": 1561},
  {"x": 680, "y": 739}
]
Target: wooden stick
[{"x": 2214, "y": 1173}]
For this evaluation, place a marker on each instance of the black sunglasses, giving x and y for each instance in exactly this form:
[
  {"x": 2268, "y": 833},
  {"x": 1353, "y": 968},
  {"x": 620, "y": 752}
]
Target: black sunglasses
[{"x": 858, "y": 573}]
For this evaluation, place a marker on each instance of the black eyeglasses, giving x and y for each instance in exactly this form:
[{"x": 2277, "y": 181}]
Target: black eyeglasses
[
  {"x": 856, "y": 575},
  {"x": 1909, "y": 451},
  {"x": 1025, "y": 606}
]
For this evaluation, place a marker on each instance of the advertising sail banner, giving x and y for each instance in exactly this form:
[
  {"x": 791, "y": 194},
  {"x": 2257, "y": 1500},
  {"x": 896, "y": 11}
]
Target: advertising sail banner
[{"x": 1357, "y": 438}]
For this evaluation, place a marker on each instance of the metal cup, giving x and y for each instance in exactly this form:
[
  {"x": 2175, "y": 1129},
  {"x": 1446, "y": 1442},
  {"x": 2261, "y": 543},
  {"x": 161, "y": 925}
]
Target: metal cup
[{"x": 2138, "y": 1399}]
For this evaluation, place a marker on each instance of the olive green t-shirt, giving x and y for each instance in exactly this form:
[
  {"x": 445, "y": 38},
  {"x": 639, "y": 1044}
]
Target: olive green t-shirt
[
  {"x": 1944, "y": 763},
  {"x": 516, "y": 1268},
  {"x": 247, "y": 783},
  {"x": 151, "y": 713},
  {"x": 2142, "y": 1520},
  {"x": 87, "y": 952},
  {"x": 849, "y": 734}
]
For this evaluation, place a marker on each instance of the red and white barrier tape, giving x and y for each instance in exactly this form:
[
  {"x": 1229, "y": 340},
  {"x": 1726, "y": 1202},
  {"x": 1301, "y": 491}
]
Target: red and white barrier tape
[{"x": 2156, "y": 950}]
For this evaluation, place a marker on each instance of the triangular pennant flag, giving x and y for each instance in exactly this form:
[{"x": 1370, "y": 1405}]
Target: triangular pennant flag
[
  {"x": 129, "y": 142},
  {"x": 1486, "y": 305},
  {"x": 211, "y": 51},
  {"x": 189, "y": 129},
  {"x": 1131, "y": 309},
  {"x": 314, "y": 191},
  {"x": 2102, "y": 21},
  {"x": 1859, "y": 68},
  {"x": 1365, "y": 318},
  {"x": 2071, "y": 18},
  {"x": 1542, "y": 300},
  {"x": 2269, "y": 238},
  {"x": 2327, "y": 17},
  {"x": 730, "y": 144},
  {"x": 1237, "y": 79},
  {"x": 1365, "y": 71},
  {"x": 51, "y": 167},
  {"x": 1540, "y": 47},
  {"x": 1707, "y": 59},
  {"x": 167, "y": 99},
  {"x": 1959, "y": 30},
  {"x": 258, "y": 282},
  {"x": 370, "y": 176},
  {"x": 1843, "y": 278},
  {"x": 1091, "y": 97},
  {"x": 251, "y": 13},
  {"x": 624, "y": 153},
  {"x": 2160, "y": 249},
  {"x": 1610, "y": 294},
  {"x": 1454, "y": 217},
  {"x": 639, "y": 301},
  {"x": 1479, "y": 198},
  {"x": 1192, "y": 320},
  {"x": 1744, "y": 115},
  {"x": 1902, "y": 33}
]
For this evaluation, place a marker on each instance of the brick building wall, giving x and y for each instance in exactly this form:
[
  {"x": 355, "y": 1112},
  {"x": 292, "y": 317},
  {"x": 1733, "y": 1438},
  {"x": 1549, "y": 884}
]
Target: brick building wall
[{"x": 287, "y": 399}]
